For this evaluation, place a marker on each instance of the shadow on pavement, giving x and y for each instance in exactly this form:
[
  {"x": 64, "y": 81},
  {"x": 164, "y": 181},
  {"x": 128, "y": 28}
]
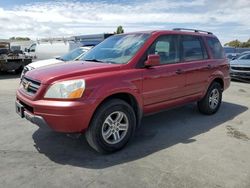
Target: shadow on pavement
[
  {"x": 240, "y": 80},
  {"x": 8, "y": 75},
  {"x": 158, "y": 132}
]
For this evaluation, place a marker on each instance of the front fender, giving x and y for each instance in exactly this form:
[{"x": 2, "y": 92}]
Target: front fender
[{"x": 105, "y": 85}]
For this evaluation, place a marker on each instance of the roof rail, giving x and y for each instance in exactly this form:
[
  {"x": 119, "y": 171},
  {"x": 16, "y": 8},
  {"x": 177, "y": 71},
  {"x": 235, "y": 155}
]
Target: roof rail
[{"x": 194, "y": 30}]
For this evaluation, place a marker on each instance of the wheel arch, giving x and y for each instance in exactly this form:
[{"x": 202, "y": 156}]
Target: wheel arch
[
  {"x": 127, "y": 97},
  {"x": 218, "y": 80}
]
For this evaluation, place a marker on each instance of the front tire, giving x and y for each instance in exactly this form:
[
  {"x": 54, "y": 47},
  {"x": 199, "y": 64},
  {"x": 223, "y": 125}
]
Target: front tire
[
  {"x": 112, "y": 126},
  {"x": 211, "y": 102}
]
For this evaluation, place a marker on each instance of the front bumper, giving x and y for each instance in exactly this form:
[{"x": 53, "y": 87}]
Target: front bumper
[
  {"x": 60, "y": 116},
  {"x": 240, "y": 74},
  {"x": 38, "y": 120}
]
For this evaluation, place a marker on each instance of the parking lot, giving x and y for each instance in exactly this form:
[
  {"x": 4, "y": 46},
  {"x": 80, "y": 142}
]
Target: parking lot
[{"x": 176, "y": 148}]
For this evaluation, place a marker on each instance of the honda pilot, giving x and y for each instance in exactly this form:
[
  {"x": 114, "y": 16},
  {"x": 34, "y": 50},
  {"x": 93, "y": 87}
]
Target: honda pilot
[{"x": 127, "y": 76}]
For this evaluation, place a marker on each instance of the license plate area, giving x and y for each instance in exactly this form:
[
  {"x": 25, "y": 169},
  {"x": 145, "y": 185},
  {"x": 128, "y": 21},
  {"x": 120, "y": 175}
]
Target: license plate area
[{"x": 19, "y": 109}]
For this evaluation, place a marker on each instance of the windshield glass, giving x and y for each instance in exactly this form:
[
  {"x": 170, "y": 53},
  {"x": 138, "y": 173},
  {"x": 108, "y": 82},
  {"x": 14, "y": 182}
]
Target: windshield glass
[
  {"x": 117, "y": 49},
  {"x": 73, "y": 54}
]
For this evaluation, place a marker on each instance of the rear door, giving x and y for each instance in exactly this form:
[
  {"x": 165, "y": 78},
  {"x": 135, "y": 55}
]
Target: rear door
[
  {"x": 194, "y": 58},
  {"x": 164, "y": 82}
]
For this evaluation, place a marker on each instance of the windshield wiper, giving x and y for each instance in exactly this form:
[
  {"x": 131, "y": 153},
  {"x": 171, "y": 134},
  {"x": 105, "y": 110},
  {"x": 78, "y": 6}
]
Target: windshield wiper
[
  {"x": 59, "y": 58},
  {"x": 99, "y": 61},
  {"x": 94, "y": 60}
]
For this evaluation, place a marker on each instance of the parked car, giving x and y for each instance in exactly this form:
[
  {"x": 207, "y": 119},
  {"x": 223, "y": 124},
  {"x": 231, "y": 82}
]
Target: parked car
[
  {"x": 240, "y": 67},
  {"x": 122, "y": 79},
  {"x": 71, "y": 56}
]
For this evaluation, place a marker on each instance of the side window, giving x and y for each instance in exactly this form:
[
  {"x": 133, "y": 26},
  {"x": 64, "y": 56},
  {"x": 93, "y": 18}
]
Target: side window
[
  {"x": 167, "y": 48},
  {"x": 192, "y": 48},
  {"x": 215, "y": 47}
]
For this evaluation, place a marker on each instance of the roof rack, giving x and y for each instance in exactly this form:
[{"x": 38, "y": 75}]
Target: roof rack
[{"x": 194, "y": 30}]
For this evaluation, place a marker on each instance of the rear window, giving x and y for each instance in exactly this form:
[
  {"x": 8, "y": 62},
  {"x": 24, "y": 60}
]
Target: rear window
[
  {"x": 192, "y": 48},
  {"x": 215, "y": 47}
]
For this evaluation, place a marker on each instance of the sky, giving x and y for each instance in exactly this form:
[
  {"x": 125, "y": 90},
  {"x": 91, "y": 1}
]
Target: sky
[{"x": 227, "y": 19}]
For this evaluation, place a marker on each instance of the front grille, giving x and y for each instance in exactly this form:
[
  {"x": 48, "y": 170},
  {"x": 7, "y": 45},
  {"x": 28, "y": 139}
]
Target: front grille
[
  {"x": 241, "y": 68},
  {"x": 30, "y": 86}
]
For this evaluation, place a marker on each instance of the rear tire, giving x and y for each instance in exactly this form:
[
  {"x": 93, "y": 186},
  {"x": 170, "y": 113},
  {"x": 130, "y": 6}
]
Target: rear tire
[
  {"x": 211, "y": 102},
  {"x": 112, "y": 126}
]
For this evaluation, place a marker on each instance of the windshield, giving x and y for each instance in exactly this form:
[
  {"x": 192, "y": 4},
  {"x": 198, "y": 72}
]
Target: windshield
[
  {"x": 73, "y": 54},
  {"x": 118, "y": 49}
]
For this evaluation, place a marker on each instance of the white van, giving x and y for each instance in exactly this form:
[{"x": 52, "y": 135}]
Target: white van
[{"x": 48, "y": 50}]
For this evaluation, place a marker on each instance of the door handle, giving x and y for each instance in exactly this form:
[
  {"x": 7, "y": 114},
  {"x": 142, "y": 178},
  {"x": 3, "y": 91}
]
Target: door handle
[{"x": 178, "y": 71}]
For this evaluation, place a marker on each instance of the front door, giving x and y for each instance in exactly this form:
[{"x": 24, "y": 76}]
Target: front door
[{"x": 165, "y": 82}]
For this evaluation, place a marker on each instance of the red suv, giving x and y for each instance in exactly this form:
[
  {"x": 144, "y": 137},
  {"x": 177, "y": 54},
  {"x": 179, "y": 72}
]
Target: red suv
[{"x": 122, "y": 79}]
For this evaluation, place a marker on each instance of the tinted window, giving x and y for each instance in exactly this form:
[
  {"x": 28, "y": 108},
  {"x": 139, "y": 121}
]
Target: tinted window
[
  {"x": 167, "y": 48},
  {"x": 216, "y": 48},
  {"x": 192, "y": 48}
]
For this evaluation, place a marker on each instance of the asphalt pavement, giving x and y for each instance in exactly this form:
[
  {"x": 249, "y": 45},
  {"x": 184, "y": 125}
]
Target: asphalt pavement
[{"x": 176, "y": 148}]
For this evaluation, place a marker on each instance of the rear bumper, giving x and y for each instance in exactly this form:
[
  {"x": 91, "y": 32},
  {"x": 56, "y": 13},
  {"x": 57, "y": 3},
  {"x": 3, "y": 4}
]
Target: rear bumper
[{"x": 60, "y": 116}]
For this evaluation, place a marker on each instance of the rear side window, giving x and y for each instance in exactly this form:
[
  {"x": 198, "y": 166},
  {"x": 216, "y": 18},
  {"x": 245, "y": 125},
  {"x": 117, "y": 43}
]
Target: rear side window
[
  {"x": 192, "y": 48},
  {"x": 215, "y": 47},
  {"x": 167, "y": 48}
]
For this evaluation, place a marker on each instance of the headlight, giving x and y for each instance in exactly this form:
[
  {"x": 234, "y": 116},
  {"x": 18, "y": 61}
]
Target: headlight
[{"x": 71, "y": 89}]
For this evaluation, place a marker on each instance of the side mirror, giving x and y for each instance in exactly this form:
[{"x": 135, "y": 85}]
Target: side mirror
[
  {"x": 153, "y": 60},
  {"x": 25, "y": 49}
]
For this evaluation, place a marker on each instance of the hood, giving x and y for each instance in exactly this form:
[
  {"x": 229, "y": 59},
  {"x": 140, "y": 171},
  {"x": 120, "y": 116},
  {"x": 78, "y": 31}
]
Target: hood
[
  {"x": 240, "y": 63},
  {"x": 49, "y": 74},
  {"x": 42, "y": 63}
]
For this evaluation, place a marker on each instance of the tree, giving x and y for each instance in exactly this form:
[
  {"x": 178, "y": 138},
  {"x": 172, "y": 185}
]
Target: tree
[
  {"x": 233, "y": 43},
  {"x": 238, "y": 44},
  {"x": 119, "y": 30}
]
